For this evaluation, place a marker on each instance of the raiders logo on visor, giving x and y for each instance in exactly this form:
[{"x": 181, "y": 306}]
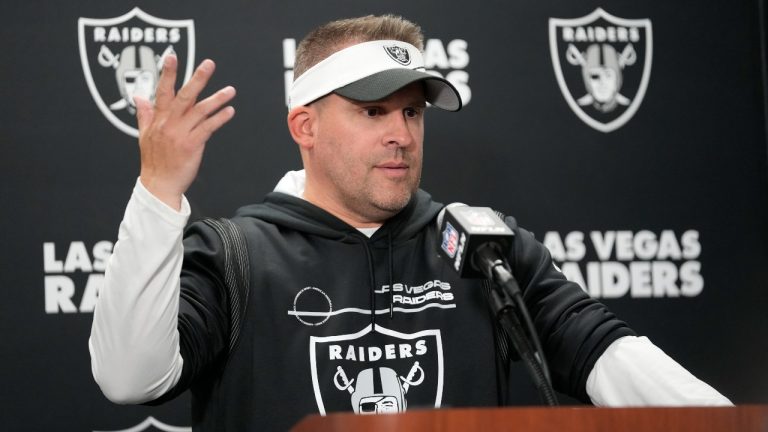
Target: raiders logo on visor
[{"x": 398, "y": 54}]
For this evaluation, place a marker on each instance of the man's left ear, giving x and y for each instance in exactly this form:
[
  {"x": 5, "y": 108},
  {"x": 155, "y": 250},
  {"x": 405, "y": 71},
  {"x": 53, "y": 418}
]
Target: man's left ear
[{"x": 301, "y": 122}]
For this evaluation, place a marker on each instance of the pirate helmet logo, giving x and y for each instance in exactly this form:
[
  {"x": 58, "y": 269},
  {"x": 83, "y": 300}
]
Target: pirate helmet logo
[
  {"x": 379, "y": 390},
  {"x": 602, "y": 64},
  {"x": 377, "y": 370},
  {"x": 122, "y": 58},
  {"x": 398, "y": 54},
  {"x": 601, "y": 68},
  {"x": 137, "y": 70}
]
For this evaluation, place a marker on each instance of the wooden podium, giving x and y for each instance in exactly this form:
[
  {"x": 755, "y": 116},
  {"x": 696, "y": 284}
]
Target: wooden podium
[{"x": 731, "y": 419}]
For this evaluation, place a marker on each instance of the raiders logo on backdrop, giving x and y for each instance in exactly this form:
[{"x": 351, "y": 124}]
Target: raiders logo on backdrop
[
  {"x": 398, "y": 54},
  {"x": 152, "y": 424},
  {"x": 377, "y": 371},
  {"x": 122, "y": 57},
  {"x": 602, "y": 64}
]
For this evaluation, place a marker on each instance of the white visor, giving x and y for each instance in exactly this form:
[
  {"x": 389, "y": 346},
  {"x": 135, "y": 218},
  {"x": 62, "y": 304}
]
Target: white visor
[{"x": 371, "y": 71}]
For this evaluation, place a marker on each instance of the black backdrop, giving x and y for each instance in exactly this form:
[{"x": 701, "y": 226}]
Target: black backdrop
[{"x": 692, "y": 159}]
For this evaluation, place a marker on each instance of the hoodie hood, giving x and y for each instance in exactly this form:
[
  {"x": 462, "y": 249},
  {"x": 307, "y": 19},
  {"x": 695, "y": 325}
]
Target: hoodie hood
[
  {"x": 292, "y": 212},
  {"x": 285, "y": 207}
]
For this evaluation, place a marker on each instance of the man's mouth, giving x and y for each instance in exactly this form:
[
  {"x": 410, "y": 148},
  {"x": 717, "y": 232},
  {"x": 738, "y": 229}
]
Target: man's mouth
[{"x": 393, "y": 169}]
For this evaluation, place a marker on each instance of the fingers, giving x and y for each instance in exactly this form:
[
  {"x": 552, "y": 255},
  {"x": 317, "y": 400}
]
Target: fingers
[
  {"x": 204, "y": 130},
  {"x": 177, "y": 114},
  {"x": 165, "y": 86},
  {"x": 208, "y": 106},
  {"x": 189, "y": 92},
  {"x": 144, "y": 112}
]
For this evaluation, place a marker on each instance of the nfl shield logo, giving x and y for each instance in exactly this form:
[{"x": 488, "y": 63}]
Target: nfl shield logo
[
  {"x": 122, "y": 57},
  {"x": 602, "y": 64},
  {"x": 377, "y": 370},
  {"x": 450, "y": 240}
]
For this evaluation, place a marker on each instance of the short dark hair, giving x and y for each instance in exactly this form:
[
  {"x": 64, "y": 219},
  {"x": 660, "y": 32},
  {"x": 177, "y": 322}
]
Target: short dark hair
[{"x": 336, "y": 35}]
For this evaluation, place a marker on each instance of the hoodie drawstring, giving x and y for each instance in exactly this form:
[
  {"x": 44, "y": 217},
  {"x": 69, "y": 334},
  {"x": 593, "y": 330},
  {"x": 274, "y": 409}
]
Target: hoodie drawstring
[
  {"x": 371, "y": 271},
  {"x": 391, "y": 279}
]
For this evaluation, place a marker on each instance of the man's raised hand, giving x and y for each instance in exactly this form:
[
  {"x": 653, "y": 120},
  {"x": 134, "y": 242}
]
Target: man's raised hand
[{"x": 173, "y": 133}]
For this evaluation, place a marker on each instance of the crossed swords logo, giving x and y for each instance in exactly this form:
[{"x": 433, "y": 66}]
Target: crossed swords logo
[
  {"x": 602, "y": 70},
  {"x": 391, "y": 397},
  {"x": 137, "y": 72},
  {"x": 398, "y": 54}
]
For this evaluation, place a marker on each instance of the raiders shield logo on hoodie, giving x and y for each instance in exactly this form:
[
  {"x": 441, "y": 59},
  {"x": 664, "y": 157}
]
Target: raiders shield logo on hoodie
[{"x": 377, "y": 371}]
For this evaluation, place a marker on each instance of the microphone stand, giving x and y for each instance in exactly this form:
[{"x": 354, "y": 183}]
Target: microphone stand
[{"x": 507, "y": 301}]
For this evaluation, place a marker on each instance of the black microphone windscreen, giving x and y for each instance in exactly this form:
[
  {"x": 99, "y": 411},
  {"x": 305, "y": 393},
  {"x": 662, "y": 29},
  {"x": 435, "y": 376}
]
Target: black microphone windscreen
[{"x": 464, "y": 230}]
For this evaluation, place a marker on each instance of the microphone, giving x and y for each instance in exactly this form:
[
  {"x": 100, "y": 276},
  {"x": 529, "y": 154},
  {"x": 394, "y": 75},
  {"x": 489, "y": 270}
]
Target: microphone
[{"x": 474, "y": 240}]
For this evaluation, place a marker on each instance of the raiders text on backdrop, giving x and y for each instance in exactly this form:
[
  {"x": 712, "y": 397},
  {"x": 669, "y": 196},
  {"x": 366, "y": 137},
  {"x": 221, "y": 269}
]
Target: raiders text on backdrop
[
  {"x": 640, "y": 264},
  {"x": 78, "y": 275},
  {"x": 136, "y": 34}
]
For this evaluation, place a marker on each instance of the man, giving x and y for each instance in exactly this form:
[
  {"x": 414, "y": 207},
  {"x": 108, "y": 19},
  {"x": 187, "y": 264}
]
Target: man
[{"x": 349, "y": 308}]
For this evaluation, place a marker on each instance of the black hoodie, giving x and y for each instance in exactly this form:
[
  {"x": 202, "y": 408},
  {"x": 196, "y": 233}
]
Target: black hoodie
[{"x": 309, "y": 343}]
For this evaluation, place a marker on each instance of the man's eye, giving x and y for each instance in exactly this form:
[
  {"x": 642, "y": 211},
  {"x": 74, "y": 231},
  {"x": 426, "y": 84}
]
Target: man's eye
[
  {"x": 371, "y": 112},
  {"x": 411, "y": 112}
]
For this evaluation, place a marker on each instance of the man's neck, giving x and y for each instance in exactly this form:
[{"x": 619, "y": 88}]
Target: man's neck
[
  {"x": 331, "y": 206},
  {"x": 295, "y": 183}
]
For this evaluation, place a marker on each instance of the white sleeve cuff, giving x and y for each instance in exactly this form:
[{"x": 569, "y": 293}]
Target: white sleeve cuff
[
  {"x": 176, "y": 218},
  {"x": 634, "y": 372}
]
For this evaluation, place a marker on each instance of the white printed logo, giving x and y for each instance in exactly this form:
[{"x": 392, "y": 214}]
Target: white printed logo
[
  {"x": 602, "y": 64},
  {"x": 309, "y": 306},
  {"x": 151, "y": 422},
  {"x": 377, "y": 370},
  {"x": 313, "y": 306},
  {"x": 122, "y": 57},
  {"x": 399, "y": 54}
]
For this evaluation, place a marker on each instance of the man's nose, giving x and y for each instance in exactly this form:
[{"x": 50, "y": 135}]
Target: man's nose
[{"x": 399, "y": 130}]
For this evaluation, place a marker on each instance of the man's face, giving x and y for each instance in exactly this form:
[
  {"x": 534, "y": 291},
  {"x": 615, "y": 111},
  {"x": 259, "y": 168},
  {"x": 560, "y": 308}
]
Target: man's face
[{"x": 367, "y": 155}]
